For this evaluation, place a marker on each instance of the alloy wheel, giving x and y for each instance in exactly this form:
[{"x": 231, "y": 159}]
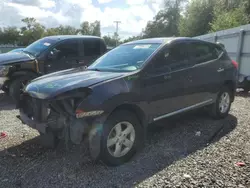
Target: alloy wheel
[
  {"x": 121, "y": 139},
  {"x": 224, "y": 102}
]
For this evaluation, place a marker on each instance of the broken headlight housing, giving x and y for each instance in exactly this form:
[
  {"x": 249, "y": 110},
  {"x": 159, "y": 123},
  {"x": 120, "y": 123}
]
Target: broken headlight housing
[{"x": 66, "y": 103}]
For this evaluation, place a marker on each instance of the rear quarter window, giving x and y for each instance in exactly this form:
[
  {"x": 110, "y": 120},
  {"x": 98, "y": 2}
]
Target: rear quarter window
[
  {"x": 218, "y": 50},
  {"x": 203, "y": 52},
  {"x": 92, "y": 47}
]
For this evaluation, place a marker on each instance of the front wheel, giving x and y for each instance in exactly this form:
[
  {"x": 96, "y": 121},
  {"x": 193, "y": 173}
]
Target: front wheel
[
  {"x": 16, "y": 87},
  {"x": 49, "y": 139},
  {"x": 221, "y": 107},
  {"x": 122, "y": 136}
]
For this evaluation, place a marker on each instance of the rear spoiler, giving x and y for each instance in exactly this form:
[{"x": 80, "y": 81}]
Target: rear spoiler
[{"x": 221, "y": 44}]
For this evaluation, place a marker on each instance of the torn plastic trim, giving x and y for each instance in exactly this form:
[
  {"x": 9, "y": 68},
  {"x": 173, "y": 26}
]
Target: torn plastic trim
[
  {"x": 79, "y": 93},
  {"x": 67, "y": 102}
]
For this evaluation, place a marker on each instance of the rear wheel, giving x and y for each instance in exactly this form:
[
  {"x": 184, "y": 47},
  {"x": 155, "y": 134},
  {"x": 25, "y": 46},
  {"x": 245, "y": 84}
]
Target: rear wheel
[
  {"x": 221, "y": 107},
  {"x": 122, "y": 136}
]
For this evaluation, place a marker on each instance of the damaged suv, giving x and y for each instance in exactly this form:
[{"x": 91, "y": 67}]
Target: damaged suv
[{"x": 113, "y": 100}]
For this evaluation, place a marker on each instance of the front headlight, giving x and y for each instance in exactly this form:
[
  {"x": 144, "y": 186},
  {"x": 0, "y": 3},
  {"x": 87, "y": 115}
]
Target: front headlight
[{"x": 4, "y": 70}]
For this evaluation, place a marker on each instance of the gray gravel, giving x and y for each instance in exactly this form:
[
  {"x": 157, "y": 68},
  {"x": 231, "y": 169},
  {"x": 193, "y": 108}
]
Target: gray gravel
[{"x": 188, "y": 151}]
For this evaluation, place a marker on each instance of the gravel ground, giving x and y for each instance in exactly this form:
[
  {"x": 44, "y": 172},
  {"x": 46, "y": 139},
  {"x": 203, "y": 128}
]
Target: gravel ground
[{"x": 188, "y": 151}]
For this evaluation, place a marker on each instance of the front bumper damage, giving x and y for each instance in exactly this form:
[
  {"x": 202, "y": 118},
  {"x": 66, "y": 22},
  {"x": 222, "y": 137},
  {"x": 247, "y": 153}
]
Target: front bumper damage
[
  {"x": 54, "y": 116},
  {"x": 41, "y": 127},
  {"x": 3, "y": 81}
]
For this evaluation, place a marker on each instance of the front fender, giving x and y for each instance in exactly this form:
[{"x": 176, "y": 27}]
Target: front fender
[{"x": 105, "y": 96}]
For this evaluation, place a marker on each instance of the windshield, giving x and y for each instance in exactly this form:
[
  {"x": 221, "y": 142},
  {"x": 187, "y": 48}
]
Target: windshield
[
  {"x": 37, "y": 47},
  {"x": 127, "y": 58}
]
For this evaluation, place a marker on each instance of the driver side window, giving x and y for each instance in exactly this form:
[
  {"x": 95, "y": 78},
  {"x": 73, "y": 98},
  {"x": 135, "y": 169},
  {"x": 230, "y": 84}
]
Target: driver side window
[
  {"x": 173, "y": 57},
  {"x": 65, "y": 50}
]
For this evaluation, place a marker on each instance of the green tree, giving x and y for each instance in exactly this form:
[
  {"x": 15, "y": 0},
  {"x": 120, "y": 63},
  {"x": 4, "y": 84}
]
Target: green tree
[
  {"x": 111, "y": 41},
  {"x": 229, "y": 19},
  {"x": 51, "y": 32},
  {"x": 95, "y": 28},
  {"x": 9, "y": 35},
  {"x": 230, "y": 13},
  {"x": 30, "y": 23},
  {"x": 131, "y": 39},
  {"x": 165, "y": 23},
  {"x": 87, "y": 28},
  {"x": 31, "y": 32},
  {"x": 67, "y": 30},
  {"x": 197, "y": 18}
]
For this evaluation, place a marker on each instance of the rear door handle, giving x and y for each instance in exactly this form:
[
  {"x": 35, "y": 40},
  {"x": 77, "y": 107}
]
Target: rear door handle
[{"x": 220, "y": 70}]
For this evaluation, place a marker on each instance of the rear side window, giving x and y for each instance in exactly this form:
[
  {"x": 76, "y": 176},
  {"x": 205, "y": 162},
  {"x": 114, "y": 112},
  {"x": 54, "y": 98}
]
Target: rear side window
[
  {"x": 92, "y": 47},
  {"x": 202, "y": 52}
]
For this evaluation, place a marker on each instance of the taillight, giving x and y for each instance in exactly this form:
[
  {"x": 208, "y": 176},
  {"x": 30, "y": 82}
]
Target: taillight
[{"x": 235, "y": 64}]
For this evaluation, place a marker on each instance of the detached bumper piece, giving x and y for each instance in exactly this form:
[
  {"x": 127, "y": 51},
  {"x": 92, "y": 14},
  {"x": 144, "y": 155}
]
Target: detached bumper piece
[{"x": 41, "y": 127}]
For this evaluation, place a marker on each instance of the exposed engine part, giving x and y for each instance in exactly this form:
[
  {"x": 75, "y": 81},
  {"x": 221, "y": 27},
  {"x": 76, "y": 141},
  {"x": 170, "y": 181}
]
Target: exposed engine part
[{"x": 59, "y": 117}]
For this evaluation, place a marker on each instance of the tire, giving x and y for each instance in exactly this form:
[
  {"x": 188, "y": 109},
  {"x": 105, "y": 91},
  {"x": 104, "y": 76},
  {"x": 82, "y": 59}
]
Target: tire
[
  {"x": 123, "y": 119},
  {"x": 219, "y": 111},
  {"x": 246, "y": 89},
  {"x": 49, "y": 140},
  {"x": 15, "y": 88}
]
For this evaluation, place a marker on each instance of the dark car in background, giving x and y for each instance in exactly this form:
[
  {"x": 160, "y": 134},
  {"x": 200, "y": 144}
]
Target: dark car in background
[
  {"x": 16, "y": 50},
  {"x": 45, "y": 56},
  {"x": 114, "y": 99}
]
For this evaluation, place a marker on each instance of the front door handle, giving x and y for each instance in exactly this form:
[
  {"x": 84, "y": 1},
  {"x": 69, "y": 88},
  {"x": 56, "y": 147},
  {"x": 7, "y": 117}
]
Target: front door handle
[
  {"x": 48, "y": 66},
  {"x": 220, "y": 70}
]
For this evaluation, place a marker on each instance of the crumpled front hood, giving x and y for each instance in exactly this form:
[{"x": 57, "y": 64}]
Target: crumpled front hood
[
  {"x": 51, "y": 85},
  {"x": 8, "y": 58}
]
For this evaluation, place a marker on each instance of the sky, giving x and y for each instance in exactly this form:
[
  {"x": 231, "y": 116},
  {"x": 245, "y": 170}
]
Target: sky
[{"x": 133, "y": 14}]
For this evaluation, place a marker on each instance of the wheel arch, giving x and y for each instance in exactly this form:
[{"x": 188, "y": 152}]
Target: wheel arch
[
  {"x": 134, "y": 109},
  {"x": 95, "y": 136},
  {"x": 232, "y": 86}
]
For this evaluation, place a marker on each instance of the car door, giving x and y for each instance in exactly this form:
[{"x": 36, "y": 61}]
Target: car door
[
  {"x": 206, "y": 73},
  {"x": 62, "y": 56},
  {"x": 166, "y": 83}
]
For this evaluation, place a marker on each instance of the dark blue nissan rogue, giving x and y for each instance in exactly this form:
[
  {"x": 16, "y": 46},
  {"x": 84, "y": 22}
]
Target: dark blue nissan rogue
[{"x": 113, "y": 100}]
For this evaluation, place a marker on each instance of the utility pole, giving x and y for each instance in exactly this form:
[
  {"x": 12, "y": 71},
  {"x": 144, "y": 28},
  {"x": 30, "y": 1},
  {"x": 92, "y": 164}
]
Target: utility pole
[{"x": 117, "y": 26}]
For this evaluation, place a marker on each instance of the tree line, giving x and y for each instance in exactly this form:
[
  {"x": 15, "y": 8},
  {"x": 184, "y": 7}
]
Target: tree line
[
  {"x": 33, "y": 30},
  {"x": 176, "y": 18}
]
